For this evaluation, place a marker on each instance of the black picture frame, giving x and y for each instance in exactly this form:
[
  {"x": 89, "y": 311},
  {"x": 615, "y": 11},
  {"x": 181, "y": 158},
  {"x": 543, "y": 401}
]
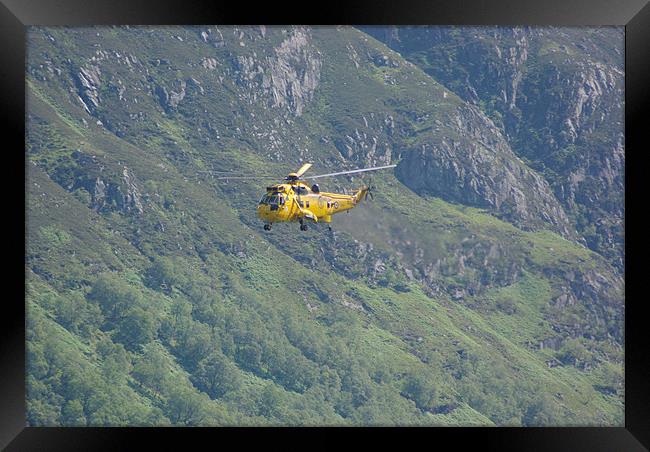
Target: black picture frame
[{"x": 16, "y": 15}]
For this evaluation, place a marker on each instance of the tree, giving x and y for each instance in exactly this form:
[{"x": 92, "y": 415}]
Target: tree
[
  {"x": 194, "y": 342},
  {"x": 573, "y": 352},
  {"x": 357, "y": 382},
  {"x": 116, "y": 363},
  {"x": 203, "y": 298},
  {"x": 272, "y": 403},
  {"x": 163, "y": 274},
  {"x": 83, "y": 196},
  {"x": 330, "y": 383},
  {"x": 186, "y": 407},
  {"x": 181, "y": 312},
  {"x": 115, "y": 297},
  {"x": 152, "y": 368},
  {"x": 217, "y": 375},
  {"x": 73, "y": 413},
  {"x": 299, "y": 373},
  {"x": 542, "y": 411},
  {"x": 136, "y": 329},
  {"x": 77, "y": 315},
  {"x": 249, "y": 356},
  {"x": 421, "y": 390},
  {"x": 104, "y": 407},
  {"x": 41, "y": 412}
]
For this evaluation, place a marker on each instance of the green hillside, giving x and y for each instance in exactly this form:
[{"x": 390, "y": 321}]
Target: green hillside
[
  {"x": 154, "y": 297},
  {"x": 557, "y": 93}
]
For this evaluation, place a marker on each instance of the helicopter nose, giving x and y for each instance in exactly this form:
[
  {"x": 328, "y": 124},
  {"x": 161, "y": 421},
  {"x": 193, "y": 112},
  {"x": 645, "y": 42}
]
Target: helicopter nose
[{"x": 260, "y": 211}]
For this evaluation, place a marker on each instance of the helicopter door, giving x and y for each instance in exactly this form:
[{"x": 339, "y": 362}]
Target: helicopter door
[{"x": 275, "y": 202}]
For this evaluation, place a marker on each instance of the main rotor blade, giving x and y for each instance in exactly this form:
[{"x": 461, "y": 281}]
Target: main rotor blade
[
  {"x": 353, "y": 171},
  {"x": 303, "y": 169},
  {"x": 225, "y": 175},
  {"x": 248, "y": 177}
]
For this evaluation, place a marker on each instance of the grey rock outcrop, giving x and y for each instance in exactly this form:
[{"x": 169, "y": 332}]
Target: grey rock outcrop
[
  {"x": 289, "y": 78},
  {"x": 132, "y": 199},
  {"x": 601, "y": 294},
  {"x": 169, "y": 99},
  {"x": 110, "y": 188},
  {"x": 88, "y": 83},
  {"x": 479, "y": 168}
]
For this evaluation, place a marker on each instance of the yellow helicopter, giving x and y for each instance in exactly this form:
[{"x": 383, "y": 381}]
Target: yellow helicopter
[{"x": 294, "y": 200}]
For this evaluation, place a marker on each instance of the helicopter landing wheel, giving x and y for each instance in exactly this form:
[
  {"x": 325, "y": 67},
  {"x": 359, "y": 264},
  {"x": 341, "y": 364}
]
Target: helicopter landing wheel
[
  {"x": 329, "y": 228},
  {"x": 303, "y": 226},
  {"x": 267, "y": 227}
]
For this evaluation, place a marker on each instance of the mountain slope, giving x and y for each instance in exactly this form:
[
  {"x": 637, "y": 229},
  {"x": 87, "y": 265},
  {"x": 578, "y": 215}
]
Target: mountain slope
[
  {"x": 556, "y": 93},
  {"x": 149, "y": 279}
]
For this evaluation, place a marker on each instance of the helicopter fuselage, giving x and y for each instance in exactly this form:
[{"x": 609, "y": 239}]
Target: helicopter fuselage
[{"x": 296, "y": 201}]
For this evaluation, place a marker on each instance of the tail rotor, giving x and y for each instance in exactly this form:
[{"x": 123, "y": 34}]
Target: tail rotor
[{"x": 369, "y": 191}]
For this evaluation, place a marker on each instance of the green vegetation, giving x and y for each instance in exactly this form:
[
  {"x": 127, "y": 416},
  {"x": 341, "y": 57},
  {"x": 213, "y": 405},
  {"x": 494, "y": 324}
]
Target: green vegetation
[{"x": 154, "y": 297}]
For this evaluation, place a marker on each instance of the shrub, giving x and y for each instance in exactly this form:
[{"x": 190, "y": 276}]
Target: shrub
[{"x": 421, "y": 390}]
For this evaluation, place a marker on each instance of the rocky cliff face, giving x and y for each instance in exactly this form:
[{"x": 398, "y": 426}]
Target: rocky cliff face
[
  {"x": 557, "y": 95},
  {"x": 103, "y": 188},
  {"x": 479, "y": 168},
  {"x": 287, "y": 78}
]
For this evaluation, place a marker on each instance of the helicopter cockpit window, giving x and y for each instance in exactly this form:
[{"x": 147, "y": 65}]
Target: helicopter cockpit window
[
  {"x": 266, "y": 199},
  {"x": 274, "y": 201},
  {"x": 302, "y": 190}
]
